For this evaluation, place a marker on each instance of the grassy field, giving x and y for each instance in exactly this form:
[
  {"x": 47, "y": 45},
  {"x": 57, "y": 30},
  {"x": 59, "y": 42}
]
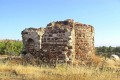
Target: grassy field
[{"x": 61, "y": 72}]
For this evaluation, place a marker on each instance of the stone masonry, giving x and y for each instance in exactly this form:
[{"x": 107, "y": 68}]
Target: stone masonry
[{"x": 65, "y": 40}]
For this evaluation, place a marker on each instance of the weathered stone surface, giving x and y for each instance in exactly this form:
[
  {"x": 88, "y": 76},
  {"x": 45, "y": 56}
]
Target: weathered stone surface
[{"x": 67, "y": 40}]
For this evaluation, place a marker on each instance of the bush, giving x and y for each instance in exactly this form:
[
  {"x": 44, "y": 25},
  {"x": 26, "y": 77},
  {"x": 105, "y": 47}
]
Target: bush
[{"x": 10, "y": 47}]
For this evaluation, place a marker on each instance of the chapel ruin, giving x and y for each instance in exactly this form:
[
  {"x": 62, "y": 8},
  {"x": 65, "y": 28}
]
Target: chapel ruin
[{"x": 61, "y": 40}]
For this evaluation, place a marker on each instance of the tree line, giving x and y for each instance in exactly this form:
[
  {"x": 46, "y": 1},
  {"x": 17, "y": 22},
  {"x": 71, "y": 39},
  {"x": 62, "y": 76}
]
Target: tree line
[
  {"x": 10, "y": 47},
  {"x": 14, "y": 47},
  {"x": 107, "y": 51}
]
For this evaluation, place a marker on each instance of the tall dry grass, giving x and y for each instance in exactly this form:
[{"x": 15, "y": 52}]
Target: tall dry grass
[
  {"x": 13, "y": 70},
  {"x": 61, "y": 72}
]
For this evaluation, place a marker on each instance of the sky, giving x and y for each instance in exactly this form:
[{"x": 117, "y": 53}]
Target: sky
[{"x": 104, "y": 15}]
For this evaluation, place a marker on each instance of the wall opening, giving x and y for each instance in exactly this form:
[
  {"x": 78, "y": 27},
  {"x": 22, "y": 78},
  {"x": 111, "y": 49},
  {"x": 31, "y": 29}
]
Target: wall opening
[{"x": 30, "y": 45}]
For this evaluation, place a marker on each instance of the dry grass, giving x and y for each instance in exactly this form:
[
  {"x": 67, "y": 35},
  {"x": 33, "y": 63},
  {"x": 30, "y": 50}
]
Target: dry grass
[
  {"x": 13, "y": 70},
  {"x": 61, "y": 72}
]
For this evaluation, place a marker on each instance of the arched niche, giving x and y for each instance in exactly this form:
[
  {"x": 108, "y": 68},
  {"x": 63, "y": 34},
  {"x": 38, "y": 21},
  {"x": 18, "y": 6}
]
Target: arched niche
[{"x": 30, "y": 45}]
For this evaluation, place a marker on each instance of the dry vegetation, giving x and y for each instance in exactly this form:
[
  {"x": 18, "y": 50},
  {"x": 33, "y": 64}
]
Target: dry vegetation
[{"x": 15, "y": 71}]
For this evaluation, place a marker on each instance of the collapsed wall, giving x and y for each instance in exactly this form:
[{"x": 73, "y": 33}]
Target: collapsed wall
[
  {"x": 32, "y": 39},
  {"x": 67, "y": 39}
]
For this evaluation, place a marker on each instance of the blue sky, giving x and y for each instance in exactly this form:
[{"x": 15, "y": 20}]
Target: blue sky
[{"x": 104, "y": 15}]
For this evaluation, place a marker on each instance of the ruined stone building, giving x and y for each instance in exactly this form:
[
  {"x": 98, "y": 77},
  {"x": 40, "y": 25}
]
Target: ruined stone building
[{"x": 68, "y": 39}]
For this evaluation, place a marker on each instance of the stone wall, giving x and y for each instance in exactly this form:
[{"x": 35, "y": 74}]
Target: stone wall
[
  {"x": 32, "y": 39},
  {"x": 66, "y": 40},
  {"x": 59, "y": 38},
  {"x": 84, "y": 40}
]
